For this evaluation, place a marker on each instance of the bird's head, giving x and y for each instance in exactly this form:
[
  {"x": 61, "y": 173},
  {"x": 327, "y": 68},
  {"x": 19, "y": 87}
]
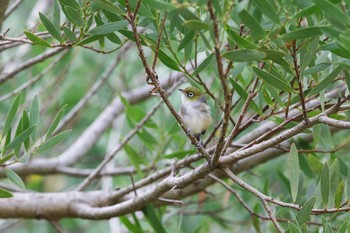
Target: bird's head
[{"x": 191, "y": 94}]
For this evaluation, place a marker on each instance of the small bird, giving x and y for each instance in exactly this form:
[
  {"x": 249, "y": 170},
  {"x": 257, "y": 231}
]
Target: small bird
[{"x": 195, "y": 112}]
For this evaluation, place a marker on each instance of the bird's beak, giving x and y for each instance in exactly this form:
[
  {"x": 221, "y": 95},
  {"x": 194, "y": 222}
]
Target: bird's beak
[{"x": 181, "y": 90}]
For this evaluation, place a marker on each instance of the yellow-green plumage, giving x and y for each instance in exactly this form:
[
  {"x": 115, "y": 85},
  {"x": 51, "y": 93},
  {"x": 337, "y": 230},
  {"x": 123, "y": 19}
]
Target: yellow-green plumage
[{"x": 194, "y": 111}]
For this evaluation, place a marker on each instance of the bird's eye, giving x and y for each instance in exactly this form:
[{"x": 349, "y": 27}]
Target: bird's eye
[{"x": 190, "y": 94}]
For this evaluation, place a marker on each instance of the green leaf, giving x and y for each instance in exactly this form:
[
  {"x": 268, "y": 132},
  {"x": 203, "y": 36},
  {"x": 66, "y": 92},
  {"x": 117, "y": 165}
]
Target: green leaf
[
  {"x": 339, "y": 194},
  {"x": 6, "y": 158},
  {"x": 325, "y": 82},
  {"x": 114, "y": 38},
  {"x": 14, "y": 178},
  {"x": 275, "y": 56},
  {"x": 108, "y": 28},
  {"x": 74, "y": 16},
  {"x": 135, "y": 158},
  {"x": 195, "y": 25},
  {"x": 294, "y": 171},
  {"x": 274, "y": 94},
  {"x": 11, "y": 114},
  {"x": 252, "y": 24},
  {"x": 344, "y": 227},
  {"x": 207, "y": 61},
  {"x": 244, "y": 95},
  {"x": 50, "y": 27},
  {"x": 273, "y": 80},
  {"x": 17, "y": 141},
  {"x": 25, "y": 125},
  {"x": 302, "y": 33},
  {"x": 53, "y": 141},
  {"x": 336, "y": 177},
  {"x": 131, "y": 227},
  {"x": 169, "y": 62},
  {"x": 153, "y": 219},
  {"x": 186, "y": 40},
  {"x": 72, "y": 3},
  {"x": 89, "y": 39},
  {"x": 108, "y": 6},
  {"x": 56, "y": 121},
  {"x": 304, "y": 214},
  {"x": 180, "y": 154},
  {"x": 159, "y": 5},
  {"x": 268, "y": 9},
  {"x": 307, "y": 53},
  {"x": 293, "y": 228},
  {"x": 36, "y": 40},
  {"x": 34, "y": 115},
  {"x": 241, "y": 42},
  {"x": 306, "y": 12},
  {"x": 69, "y": 34},
  {"x": 56, "y": 14},
  {"x": 332, "y": 12},
  {"x": 317, "y": 68},
  {"x": 244, "y": 55},
  {"x": 5, "y": 194},
  {"x": 325, "y": 184}
]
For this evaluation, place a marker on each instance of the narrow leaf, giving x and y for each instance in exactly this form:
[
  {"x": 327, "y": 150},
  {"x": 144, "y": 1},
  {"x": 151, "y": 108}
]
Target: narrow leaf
[
  {"x": 153, "y": 219},
  {"x": 159, "y": 5},
  {"x": 74, "y": 16},
  {"x": 56, "y": 121},
  {"x": 11, "y": 114},
  {"x": 108, "y": 6},
  {"x": 304, "y": 214},
  {"x": 273, "y": 80},
  {"x": 244, "y": 95},
  {"x": 56, "y": 14},
  {"x": 252, "y": 24},
  {"x": 108, "y": 28},
  {"x": 14, "y": 178},
  {"x": 293, "y": 228},
  {"x": 207, "y": 61},
  {"x": 325, "y": 82},
  {"x": 169, "y": 62},
  {"x": 53, "y": 141},
  {"x": 196, "y": 25},
  {"x": 50, "y": 27},
  {"x": 6, "y": 158},
  {"x": 17, "y": 141},
  {"x": 69, "y": 34},
  {"x": 25, "y": 125},
  {"x": 302, "y": 33},
  {"x": 344, "y": 227},
  {"x": 34, "y": 115},
  {"x": 131, "y": 227},
  {"x": 325, "y": 184},
  {"x": 317, "y": 68},
  {"x": 244, "y": 55},
  {"x": 72, "y": 3},
  {"x": 187, "y": 39},
  {"x": 332, "y": 12},
  {"x": 36, "y": 40},
  {"x": 268, "y": 9},
  {"x": 241, "y": 42},
  {"x": 339, "y": 194},
  {"x": 294, "y": 171},
  {"x": 5, "y": 194}
]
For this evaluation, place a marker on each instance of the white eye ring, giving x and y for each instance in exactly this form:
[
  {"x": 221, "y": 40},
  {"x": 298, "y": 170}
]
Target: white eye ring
[{"x": 190, "y": 94}]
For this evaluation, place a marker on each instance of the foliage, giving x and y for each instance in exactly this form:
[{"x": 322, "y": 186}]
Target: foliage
[{"x": 271, "y": 69}]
